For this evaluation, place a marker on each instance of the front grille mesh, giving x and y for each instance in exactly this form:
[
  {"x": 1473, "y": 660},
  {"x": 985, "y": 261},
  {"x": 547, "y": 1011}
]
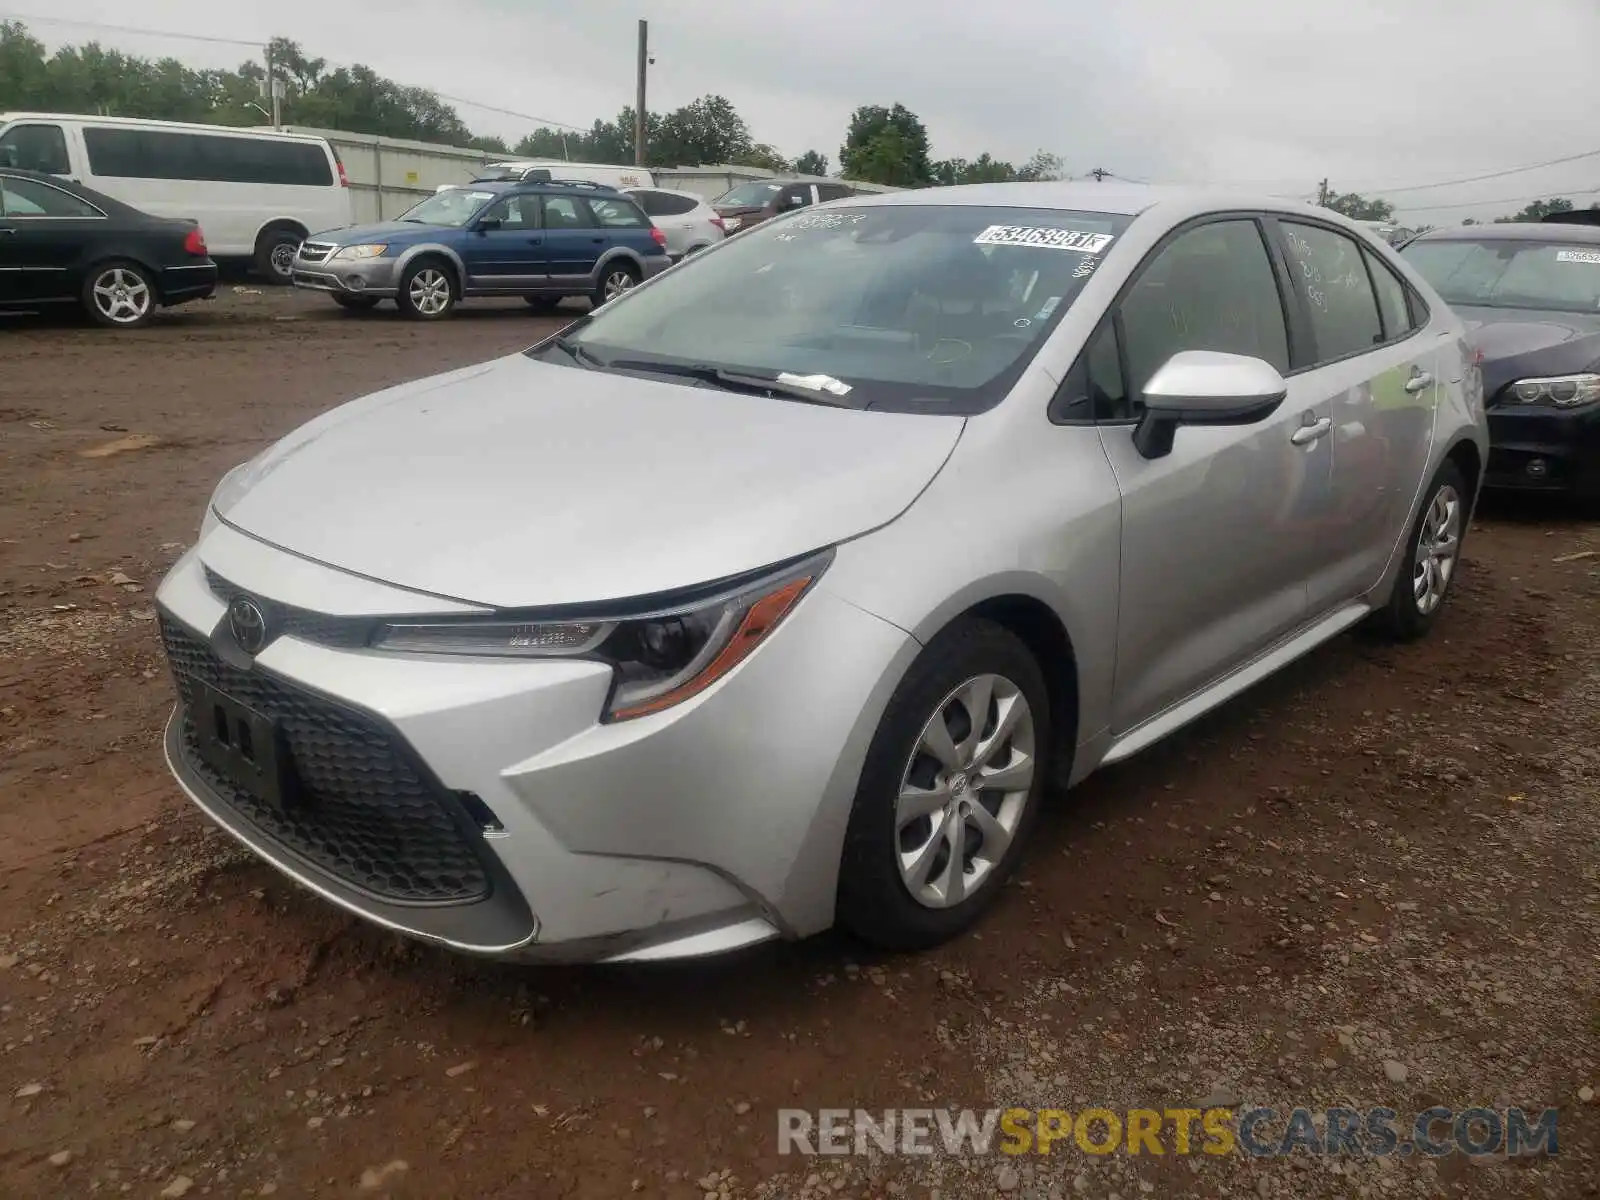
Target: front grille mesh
[{"x": 367, "y": 817}]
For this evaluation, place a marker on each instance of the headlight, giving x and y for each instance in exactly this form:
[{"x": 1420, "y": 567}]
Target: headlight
[
  {"x": 659, "y": 658},
  {"x": 731, "y": 224},
  {"x": 372, "y": 250},
  {"x": 1564, "y": 391}
]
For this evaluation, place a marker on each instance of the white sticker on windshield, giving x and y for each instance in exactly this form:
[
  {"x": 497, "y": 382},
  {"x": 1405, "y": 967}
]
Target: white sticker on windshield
[
  {"x": 480, "y": 196},
  {"x": 1049, "y": 307},
  {"x": 1584, "y": 256},
  {"x": 1048, "y": 238}
]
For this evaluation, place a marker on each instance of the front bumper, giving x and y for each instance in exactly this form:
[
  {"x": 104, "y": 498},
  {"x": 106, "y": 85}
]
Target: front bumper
[
  {"x": 1544, "y": 449},
  {"x": 351, "y": 277},
  {"x": 715, "y": 825}
]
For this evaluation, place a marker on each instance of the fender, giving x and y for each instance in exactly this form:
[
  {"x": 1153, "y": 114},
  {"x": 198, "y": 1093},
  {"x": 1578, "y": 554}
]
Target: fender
[{"x": 438, "y": 248}]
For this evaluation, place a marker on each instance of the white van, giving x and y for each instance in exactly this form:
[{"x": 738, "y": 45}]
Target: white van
[
  {"x": 544, "y": 170},
  {"x": 256, "y": 193}
]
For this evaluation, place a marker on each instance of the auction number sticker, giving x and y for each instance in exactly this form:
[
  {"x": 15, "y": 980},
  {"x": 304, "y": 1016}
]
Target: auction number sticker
[
  {"x": 1581, "y": 256},
  {"x": 1045, "y": 237}
]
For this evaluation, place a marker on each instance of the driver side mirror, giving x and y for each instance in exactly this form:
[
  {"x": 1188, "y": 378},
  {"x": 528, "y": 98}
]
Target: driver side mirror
[
  {"x": 1205, "y": 387},
  {"x": 488, "y": 223}
]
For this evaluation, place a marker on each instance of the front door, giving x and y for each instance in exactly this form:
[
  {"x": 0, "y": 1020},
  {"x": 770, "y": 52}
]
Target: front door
[
  {"x": 1379, "y": 372},
  {"x": 49, "y": 243},
  {"x": 1213, "y": 566},
  {"x": 572, "y": 241},
  {"x": 504, "y": 251}
]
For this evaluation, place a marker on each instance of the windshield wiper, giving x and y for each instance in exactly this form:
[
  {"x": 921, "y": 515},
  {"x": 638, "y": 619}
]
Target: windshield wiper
[{"x": 813, "y": 389}]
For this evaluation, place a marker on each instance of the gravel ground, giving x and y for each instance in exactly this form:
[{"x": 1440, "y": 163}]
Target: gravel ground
[{"x": 1373, "y": 881}]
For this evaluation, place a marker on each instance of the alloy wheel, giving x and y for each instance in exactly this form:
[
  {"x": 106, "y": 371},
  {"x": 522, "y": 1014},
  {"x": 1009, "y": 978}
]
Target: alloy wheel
[
  {"x": 964, "y": 791},
  {"x": 430, "y": 291},
  {"x": 1438, "y": 545},
  {"x": 616, "y": 283},
  {"x": 122, "y": 296}
]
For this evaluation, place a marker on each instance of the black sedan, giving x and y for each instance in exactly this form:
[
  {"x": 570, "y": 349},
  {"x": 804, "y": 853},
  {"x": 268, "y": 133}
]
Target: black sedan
[
  {"x": 1530, "y": 296},
  {"x": 64, "y": 244}
]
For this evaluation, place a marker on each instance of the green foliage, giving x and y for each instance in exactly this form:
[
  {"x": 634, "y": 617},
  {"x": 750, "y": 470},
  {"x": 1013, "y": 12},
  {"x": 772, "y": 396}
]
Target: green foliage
[
  {"x": 1538, "y": 210},
  {"x": 1354, "y": 205},
  {"x": 888, "y": 146},
  {"x": 811, "y": 163}
]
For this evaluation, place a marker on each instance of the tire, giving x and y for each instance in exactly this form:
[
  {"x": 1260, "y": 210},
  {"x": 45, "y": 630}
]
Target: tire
[
  {"x": 895, "y": 885},
  {"x": 120, "y": 295},
  {"x": 275, "y": 251},
  {"x": 617, "y": 277},
  {"x": 427, "y": 291},
  {"x": 356, "y": 303},
  {"x": 1432, "y": 559},
  {"x": 543, "y": 304}
]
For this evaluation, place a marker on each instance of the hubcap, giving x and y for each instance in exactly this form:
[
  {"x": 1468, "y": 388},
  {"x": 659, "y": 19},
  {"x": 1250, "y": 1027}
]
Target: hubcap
[
  {"x": 121, "y": 296},
  {"x": 616, "y": 283},
  {"x": 283, "y": 259},
  {"x": 1438, "y": 544},
  {"x": 963, "y": 793},
  {"x": 430, "y": 291}
]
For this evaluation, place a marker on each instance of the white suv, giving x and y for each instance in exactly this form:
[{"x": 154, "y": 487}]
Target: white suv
[{"x": 688, "y": 221}]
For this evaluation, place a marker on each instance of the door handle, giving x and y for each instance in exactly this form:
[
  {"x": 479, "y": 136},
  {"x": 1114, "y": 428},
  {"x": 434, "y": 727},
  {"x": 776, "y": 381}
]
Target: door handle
[
  {"x": 1422, "y": 379},
  {"x": 1307, "y": 434}
]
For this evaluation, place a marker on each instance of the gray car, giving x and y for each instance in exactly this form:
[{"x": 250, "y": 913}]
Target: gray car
[
  {"x": 691, "y": 224},
  {"x": 778, "y": 592}
]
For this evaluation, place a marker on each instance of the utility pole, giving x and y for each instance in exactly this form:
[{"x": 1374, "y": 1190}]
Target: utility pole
[
  {"x": 639, "y": 109},
  {"x": 1323, "y": 194},
  {"x": 1099, "y": 174},
  {"x": 272, "y": 93}
]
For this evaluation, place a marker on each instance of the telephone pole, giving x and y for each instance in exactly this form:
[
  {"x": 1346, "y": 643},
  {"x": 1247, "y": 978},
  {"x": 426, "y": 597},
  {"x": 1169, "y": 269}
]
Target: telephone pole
[
  {"x": 1099, "y": 174},
  {"x": 272, "y": 93},
  {"x": 639, "y": 109}
]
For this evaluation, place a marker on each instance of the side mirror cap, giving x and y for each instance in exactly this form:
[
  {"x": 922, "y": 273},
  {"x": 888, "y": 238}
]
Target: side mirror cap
[
  {"x": 489, "y": 223},
  {"x": 1206, "y": 387}
]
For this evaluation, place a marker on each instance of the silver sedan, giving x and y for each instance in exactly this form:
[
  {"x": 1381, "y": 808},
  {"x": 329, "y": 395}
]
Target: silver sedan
[{"x": 784, "y": 590}]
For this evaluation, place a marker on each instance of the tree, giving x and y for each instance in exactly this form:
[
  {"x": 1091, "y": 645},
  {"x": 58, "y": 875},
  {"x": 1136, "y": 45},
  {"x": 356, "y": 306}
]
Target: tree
[
  {"x": 706, "y": 131},
  {"x": 768, "y": 159},
  {"x": 888, "y": 146},
  {"x": 1538, "y": 210},
  {"x": 1354, "y": 205},
  {"x": 811, "y": 163},
  {"x": 1042, "y": 166}
]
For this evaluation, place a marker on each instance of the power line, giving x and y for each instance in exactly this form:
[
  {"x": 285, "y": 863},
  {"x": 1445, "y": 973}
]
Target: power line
[
  {"x": 1443, "y": 183},
  {"x": 1504, "y": 200},
  {"x": 256, "y": 45}
]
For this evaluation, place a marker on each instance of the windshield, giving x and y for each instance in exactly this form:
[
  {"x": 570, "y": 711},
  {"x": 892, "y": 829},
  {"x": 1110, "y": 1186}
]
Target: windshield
[
  {"x": 916, "y": 308},
  {"x": 749, "y": 195},
  {"x": 1501, "y": 273},
  {"x": 453, "y": 207}
]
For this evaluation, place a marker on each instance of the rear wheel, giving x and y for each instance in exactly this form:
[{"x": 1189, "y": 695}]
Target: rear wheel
[
  {"x": 275, "y": 251},
  {"x": 427, "y": 291},
  {"x": 949, "y": 792},
  {"x": 1433, "y": 552},
  {"x": 120, "y": 295},
  {"x": 356, "y": 303},
  {"x": 615, "y": 279}
]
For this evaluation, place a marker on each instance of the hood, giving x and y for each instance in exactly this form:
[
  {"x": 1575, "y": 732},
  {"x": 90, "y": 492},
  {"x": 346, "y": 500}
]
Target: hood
[
  {"x": 520, "y": 484},
  {"x": 736, "y": 210},
  {"x": 1519, "y": 343},
  {"x": 381, "y": 231}
]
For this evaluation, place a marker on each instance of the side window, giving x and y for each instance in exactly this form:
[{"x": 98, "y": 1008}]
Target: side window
[
  {"x": 1094, "y": 390},
  {"x": 1392, "y": 306},
  {"x": 25, "y": 198},
  {"x": 514, "y": 212},
  {"x": 833, "y": 191},
  {"x": 674, "y": 206},
  {"x": 617, "y": 214},
  {"x": 35, "y": 148},
  {"x": 1212, "y": 288},
  {"x": 795, "y": 196},
  {"x": 1328, "y": 269},
  {"x": 651, "y": 202},
  {"x": 564, "y": 212}
]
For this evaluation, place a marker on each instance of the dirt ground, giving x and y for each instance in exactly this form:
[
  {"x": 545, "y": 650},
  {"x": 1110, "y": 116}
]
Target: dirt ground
[{"x": 1373, "y": 881}]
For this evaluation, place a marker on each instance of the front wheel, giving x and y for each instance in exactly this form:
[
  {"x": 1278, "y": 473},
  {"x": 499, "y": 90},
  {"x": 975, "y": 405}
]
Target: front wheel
[
  {"x": 119, "y": 295},
  {"x": 615, "y": 279},
  {"x": 427, "y": 292},
  {"x": 949, "y": 792},
  {"x": 275, "y": 253},
  {"x": 1432, "y": 555}
]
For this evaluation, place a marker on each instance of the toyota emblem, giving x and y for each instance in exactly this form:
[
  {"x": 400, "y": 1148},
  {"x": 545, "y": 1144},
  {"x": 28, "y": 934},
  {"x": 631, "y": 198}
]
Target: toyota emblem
[{"x": 248, "y": 624}]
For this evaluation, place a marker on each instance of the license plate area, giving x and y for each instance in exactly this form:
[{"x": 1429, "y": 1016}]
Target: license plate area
[{"x": 242, "y": 745}]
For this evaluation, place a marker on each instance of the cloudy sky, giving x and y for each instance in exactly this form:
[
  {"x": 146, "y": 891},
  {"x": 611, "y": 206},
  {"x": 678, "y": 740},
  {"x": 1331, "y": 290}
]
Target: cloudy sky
[{"x": 1376, "y": 95}]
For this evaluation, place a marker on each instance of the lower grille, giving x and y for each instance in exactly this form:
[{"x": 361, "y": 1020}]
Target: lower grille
[{"x": 366, "y": 815}]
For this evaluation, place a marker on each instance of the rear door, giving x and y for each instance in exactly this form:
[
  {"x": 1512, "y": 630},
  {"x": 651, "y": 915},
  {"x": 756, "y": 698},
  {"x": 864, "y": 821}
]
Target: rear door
[
  {"x": 1371, "y": 358},
  {"x": 53, "y": 232},
  {"x": 572, "y": 240},
  {"x": 504, "y": 250},
  {"x": 623, "y": 225}
]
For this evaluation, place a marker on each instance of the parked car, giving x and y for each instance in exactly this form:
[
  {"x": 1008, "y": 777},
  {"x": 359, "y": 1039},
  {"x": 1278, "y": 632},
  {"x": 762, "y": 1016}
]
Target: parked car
[
  {"x": 549, "y": 170},
  {"x": 771, "y": 595},
  {"x": 65, "y": 244},
  {"x": 1530, "y": 295},
  {"x": 689, "y": 222},
  {"x": 256, "y": 192},
  {"x": 751, "y": 203},
  {"x": 542, "y": 241}
]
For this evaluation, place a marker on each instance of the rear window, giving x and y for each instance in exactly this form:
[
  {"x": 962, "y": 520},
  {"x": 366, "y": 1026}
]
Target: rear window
[
  {"x": 663, "y": 204},
  {"x": 1507, "y": 273},
  {"x": 120, "y": 153}
]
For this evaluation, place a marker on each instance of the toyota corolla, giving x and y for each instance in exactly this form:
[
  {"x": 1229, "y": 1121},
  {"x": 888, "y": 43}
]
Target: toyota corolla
[{"x": 784, "y": 590}]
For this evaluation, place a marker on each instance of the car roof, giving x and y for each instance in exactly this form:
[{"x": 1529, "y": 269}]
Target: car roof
[
  {"x": 1514, "y": 231},
  {"x": 152, "y": 123},
  {"x": 1113, "y": 197}
]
